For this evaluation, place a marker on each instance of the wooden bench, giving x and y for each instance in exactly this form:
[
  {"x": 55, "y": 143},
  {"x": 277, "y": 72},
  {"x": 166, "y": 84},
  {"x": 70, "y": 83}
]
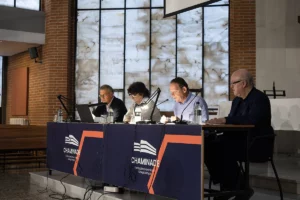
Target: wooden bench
[
  {"x": 15, "y": 154},
  {"x": 9, "y": 157},
  {"x": 19, "y": 144}
]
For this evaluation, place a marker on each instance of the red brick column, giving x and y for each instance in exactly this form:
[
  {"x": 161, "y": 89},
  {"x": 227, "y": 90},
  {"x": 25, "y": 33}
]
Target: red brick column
[
  {"x": 55, "y": 75},
  {"x": 242, "y": 36}
]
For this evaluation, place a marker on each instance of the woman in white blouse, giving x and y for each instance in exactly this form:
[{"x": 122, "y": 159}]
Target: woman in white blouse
[{"x": 139, "y": 110}]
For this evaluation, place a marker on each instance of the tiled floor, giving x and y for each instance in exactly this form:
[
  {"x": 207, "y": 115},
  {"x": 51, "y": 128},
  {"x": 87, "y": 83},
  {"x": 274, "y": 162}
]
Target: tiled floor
[
  {"x": 288, "y": 168},
  {"x": 16, "y": 184},
  {"x": 18, "y": 187}
]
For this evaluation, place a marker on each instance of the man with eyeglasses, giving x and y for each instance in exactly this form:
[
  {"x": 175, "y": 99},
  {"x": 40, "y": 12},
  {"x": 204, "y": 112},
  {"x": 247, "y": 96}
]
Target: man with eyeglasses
[
  {"x": 117, "y": 105},
  {"x": 249, "y": 107},
  {"x": 186, "y": 101}
]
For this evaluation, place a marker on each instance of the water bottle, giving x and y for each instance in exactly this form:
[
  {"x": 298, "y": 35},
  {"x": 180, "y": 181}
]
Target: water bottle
[
  {"x": 197, "y": 113},
  {"x": 59, "y": 115},
  {"x": 110, "y": 116}
]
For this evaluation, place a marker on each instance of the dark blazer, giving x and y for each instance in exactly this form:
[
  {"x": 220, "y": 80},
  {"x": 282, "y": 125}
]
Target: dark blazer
[
  {"x": 254, "y": 110},
  {"x": 117, "y": 105}
]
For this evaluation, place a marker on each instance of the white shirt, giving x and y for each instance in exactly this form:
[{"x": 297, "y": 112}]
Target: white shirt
[
  {"x": 145, "y": 111},
  {"x": 108, "y": 105}
]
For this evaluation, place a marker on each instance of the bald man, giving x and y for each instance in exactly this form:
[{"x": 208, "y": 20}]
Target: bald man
[{"x": 250, "y": 106}]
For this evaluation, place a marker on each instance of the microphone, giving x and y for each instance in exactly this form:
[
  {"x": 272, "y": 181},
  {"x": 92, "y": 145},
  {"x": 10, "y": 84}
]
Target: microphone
[
  {"x": 61, "y": 98},
  {"x": 181, "y": 116},
  {"x": 70, "y": 115},
  {"x": 162, "y": 102},
  {"x": 155, "y": 94},
  {"x": 97, "y": 104}
]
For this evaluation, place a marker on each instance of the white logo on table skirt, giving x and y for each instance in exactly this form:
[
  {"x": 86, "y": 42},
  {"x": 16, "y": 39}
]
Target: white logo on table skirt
[
  {"x": 144, "y": 147},
  {"x": 71, "y": 140}
]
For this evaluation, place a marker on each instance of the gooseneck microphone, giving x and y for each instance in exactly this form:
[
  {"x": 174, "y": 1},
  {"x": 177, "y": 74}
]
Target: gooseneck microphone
[
  {"x": 162, "y": 102},
  {"x": 156, "y": 93},
  {"x": 97, "y": 104},
  {"x": 62, "y": 98},
  {"x": 181, "y": 116}
]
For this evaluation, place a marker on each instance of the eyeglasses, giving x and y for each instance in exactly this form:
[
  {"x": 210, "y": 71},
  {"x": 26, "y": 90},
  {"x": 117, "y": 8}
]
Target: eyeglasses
[
  {"x": 102, "y": 95},
  {"x": 235, "y": 82}
]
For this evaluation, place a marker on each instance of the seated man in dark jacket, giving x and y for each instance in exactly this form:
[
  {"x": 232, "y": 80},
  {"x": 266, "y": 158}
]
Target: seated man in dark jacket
[
  {"x": 117, "y": 105},
  {"x": 249, "y": 107}
]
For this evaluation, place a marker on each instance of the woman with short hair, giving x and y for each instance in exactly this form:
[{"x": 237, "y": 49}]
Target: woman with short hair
[{"x": 139, "y": 110}]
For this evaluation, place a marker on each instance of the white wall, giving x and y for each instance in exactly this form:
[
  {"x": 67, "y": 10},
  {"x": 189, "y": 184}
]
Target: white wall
[{"x": 278, "y": 45}]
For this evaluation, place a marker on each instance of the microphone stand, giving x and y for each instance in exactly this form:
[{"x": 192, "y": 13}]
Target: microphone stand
[
  {"x": 181, "y": 116},
  {"x": 156, "y": 93},
  {"x": 151, "y": 116},
  {"x": 152, "y": 96},
  {"x": 61, "y": 98}
]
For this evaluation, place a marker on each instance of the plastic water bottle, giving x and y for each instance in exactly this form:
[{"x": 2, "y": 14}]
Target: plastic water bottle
[
  {"x": 59, "y": 115},
  {"x": 110, "y": 116},
  {"x": 197, "y": 113}
]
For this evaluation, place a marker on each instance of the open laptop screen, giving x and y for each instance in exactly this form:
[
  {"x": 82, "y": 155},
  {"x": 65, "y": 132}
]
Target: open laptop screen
[{"x": 85, "y": 113}]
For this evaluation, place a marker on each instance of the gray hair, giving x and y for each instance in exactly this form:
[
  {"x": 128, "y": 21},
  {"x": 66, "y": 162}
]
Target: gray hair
[
  {"x": 107, "y": 87},
  {"x": 249, "y": 79},
  {"x": 243, "y": 74}
]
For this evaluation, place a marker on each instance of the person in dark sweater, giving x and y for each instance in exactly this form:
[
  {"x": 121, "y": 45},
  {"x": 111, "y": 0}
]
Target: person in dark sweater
[
  {"x": 249, "y": 107},
  {"x": 117, "y": 105}
]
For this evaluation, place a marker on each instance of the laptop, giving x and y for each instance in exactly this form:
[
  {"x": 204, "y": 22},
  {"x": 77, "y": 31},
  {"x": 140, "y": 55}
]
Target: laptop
[{"x": 85, "y": 113}]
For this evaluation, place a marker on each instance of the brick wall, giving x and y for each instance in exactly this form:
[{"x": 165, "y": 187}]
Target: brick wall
[
  {"x": 36, "y": 93},
  {"x": 58, "y": 54},
  {"x": 242, "y": 36},
  {"x": 56, "y": 74}
]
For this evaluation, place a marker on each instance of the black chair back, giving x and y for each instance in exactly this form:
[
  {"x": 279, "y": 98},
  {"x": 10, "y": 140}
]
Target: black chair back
[{"x": 261, "y": 147}]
